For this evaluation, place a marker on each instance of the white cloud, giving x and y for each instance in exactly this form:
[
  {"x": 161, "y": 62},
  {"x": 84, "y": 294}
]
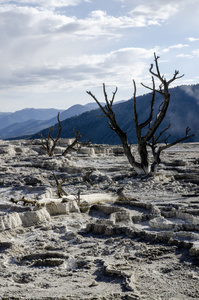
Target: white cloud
[
  {"x": 192, "y": 39},
  {"x": 178, "y": 46},
  {"x": 104, "y": 21},
  {"x": 34, "y": 39},
  {"x": 45, "y": 48},
  {"x": 126, "y": 63},
  {"x": 44, "y": 3},
  {"x": 153, "y": 13},
  {"x": 182, "y": 55},
  {"x": 17, "y": 21}
]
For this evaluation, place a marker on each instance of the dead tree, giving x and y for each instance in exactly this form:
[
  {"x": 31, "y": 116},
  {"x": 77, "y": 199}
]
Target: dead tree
[
  {"x": 71, "y": 147},
  {"x": 152, "y": 123},
  {"x": 49, "y": 143},
  {"x": 60, "y": 190}
]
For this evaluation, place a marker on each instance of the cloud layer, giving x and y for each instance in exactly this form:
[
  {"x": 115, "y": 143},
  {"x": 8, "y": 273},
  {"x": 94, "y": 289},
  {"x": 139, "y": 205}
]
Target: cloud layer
[{"x": 70, "y": 45}]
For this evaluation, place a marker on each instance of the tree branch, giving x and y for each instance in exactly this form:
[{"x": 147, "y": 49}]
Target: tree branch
[{"x": 74, "y": 143}]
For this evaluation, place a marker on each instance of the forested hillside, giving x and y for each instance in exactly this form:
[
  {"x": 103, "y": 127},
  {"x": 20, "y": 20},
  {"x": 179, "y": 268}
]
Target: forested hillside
[{"x": 183, "y": 112}]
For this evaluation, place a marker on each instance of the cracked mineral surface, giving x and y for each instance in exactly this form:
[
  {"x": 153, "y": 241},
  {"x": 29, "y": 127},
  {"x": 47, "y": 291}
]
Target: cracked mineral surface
[{"x": 112, "y": 235}]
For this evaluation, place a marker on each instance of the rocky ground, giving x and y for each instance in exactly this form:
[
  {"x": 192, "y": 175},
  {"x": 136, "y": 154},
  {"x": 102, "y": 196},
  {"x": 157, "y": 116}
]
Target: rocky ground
[{"x": 113, "y": 235}]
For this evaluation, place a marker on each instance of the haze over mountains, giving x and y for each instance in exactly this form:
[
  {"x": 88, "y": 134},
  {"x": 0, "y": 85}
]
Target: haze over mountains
[
  {"x": 183, "y": 112},
  {"x": 31, "y": 120},
  {"x": 7, "y": 119}
]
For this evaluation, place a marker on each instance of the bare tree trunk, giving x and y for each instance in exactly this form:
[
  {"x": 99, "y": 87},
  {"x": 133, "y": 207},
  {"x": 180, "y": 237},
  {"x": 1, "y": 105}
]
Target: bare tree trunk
[
  {"x": 138, "y": 167},
  {"x": 109, "y": 113},
  {"x": 143, "y": 152}
]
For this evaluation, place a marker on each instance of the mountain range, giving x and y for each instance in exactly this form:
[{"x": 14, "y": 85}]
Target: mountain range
[
  {"x": 183, "y": 112},
  {"x": 7, "y": 119},
  {"x": 30, "y": 120}
]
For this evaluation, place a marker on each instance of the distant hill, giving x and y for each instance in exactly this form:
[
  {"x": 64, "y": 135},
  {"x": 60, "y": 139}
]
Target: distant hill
[
  {"x": 4, "y": 113},
  {"x": 25, "y": 115},
  {"x": 183, "y": 112},
  {"x": 30, "y": 121}
]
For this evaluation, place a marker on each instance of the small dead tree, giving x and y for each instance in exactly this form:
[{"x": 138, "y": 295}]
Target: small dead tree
[
  {"x": 71, "y": 147},
  {"x": 152, "y": 123},
  {"x": 49, "y": 144},
  {"x": 60, "y": 190}
]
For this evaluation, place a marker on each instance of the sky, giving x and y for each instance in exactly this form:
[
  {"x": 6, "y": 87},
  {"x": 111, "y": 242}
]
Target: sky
[{"x": 53, "y": 51}]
